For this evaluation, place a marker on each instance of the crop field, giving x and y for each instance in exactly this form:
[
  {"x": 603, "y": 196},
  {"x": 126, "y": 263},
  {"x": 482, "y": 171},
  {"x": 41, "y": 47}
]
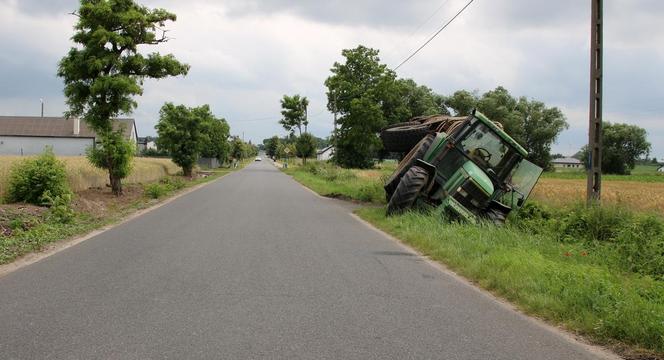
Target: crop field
[{"x": 82, "y": 175}]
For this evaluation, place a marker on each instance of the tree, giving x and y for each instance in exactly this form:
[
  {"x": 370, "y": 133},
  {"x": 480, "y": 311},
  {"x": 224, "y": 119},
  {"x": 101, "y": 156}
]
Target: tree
[
  {"x": 105, "y": 72},
  {"x": 361, "y": 92},
  {"x": 622, "y": 145},
  {"x": 271, "y": 146},
  {"x": 182, "y": 132},
  {"x": 294, "y": 113},
  {"x": 305, "y": 147},
  {"x": 215, "y": 142},
  {"x": 114, "y": 153}
]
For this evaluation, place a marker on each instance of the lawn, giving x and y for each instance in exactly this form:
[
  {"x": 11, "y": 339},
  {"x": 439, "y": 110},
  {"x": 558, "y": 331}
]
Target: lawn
[{"x": 597, "y": 272}]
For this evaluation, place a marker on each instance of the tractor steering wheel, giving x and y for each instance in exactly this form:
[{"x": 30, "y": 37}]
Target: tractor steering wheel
[{"x": 483, "y": 153}]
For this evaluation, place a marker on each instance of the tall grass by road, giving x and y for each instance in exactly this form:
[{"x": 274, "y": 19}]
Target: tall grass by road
[
  {"x": 597, "y": 271},
  {"x": 81, "y": 175}
]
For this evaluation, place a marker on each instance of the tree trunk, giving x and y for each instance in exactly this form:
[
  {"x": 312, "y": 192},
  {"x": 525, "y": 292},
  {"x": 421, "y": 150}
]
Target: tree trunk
[
  {"x": 304, "y": 160},
  {"x": 188, "y": 171},
  {"x": 116, "y": 184}
]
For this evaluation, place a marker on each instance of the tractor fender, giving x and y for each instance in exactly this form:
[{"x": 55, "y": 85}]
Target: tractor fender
[{"x": 430, "y": 169}]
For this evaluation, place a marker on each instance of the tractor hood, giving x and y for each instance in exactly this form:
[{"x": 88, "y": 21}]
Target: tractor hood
[{"x": 482, "y": 179}]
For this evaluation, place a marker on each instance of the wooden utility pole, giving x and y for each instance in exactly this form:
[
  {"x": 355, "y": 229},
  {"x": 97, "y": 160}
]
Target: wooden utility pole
[{"x": 595, "y": 119}]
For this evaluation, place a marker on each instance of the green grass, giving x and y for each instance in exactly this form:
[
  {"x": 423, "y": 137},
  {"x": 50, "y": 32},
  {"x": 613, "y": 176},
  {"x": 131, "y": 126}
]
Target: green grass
[
  {"x": 598, "y": 272},
  {"x": 543, "y": 276},
  {"x": 330, "y": 181}
]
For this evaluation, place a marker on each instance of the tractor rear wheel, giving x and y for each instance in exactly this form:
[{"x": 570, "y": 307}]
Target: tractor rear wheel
[
  {"x": 403, "y": 137},
  {"x": 406, "y": 163},
  {"x": 410, "y": 187},
  {"x": 496, "y": 217}
]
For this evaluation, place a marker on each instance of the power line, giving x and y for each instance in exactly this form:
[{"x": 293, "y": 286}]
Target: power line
[{"x": 434, "y": 35}]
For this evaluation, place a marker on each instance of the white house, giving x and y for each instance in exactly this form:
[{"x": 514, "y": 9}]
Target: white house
[
  {"x": 661, "y": 169},
  {"x": 567, "y": 163},
  {"x": 28, "y": 135},
  {"x": 325, "y": 154}
]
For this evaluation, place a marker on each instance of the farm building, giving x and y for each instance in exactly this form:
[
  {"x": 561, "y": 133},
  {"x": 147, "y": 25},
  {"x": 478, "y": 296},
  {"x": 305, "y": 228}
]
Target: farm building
[
  {"x": 27, "y": 135},
  {"x": 325, "y": 154},
  {"x": 567, "y": 163},
  {"x": 145, "y": 143},
  {"x": 661, "y": 169}
]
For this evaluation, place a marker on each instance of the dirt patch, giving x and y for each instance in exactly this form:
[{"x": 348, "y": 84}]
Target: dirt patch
[
  {"x": 98, "y": 202},
  {"x": 19, "y": 216}
]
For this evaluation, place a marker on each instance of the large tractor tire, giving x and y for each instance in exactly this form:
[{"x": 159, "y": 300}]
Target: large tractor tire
[
  {"x": 496, "y": 217},
  {"x": 403, "y": 137},
  {"x": 406, "y": 163},
  {"x": 410, "y": 187}
]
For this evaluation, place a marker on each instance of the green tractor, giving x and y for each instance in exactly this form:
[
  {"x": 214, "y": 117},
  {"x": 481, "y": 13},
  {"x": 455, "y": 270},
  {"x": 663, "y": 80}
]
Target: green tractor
[{"x": 469, "y": 168}]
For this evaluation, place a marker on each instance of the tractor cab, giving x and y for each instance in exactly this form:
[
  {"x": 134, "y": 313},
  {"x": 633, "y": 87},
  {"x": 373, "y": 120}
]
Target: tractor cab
[{"x": 476, "y": 171}]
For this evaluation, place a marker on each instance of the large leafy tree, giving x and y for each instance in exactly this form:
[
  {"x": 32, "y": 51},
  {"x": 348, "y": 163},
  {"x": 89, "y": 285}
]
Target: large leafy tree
[
  {"x": 105, "y": 71},
  {"x": 529, "y": 122},
  {"x": 294, "y": 112},
  {"x": 622, "y": 145},
  {"x": 184, "y": 133},
  {"x": 360, "y": 90},
  {"x": 215, "y": 142},
  {"x": 271, "y": 146}
]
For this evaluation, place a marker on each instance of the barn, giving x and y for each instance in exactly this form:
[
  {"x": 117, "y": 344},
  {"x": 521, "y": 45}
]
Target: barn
[{"x": 27, "y": 135}]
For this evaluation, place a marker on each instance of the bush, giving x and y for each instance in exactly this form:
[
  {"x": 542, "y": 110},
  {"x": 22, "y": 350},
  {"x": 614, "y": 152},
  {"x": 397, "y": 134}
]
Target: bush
[
  {"x": 31, "y": 179},
  {"x": 156, "y": 190},
  {"x": 59, "y": 210}
]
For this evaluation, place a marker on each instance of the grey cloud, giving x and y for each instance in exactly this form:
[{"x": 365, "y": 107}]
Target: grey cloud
[{"x": 40, "y": 7}]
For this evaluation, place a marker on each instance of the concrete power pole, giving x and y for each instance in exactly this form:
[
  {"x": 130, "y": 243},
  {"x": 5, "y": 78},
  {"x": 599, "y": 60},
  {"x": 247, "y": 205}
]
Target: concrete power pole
[{"x": 595, "y": 119}]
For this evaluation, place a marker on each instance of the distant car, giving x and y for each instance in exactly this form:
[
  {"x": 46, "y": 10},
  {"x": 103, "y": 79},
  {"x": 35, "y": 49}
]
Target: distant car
[{"x": 258, "y": 158}]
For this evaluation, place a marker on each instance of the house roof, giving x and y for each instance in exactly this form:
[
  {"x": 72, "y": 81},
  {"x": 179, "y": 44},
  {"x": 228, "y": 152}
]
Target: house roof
[
  {"x": 325, "y": 149},
  {"x": 567, "y": 160},
  {"x": 54, "y": 127}
]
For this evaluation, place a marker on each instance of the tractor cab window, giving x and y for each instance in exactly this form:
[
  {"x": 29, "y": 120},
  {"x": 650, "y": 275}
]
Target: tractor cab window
[{"x": 485, "y": 147}]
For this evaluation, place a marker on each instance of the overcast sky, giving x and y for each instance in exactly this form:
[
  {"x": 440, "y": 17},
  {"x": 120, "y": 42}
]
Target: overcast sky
[{"x": 246, "y": 54}]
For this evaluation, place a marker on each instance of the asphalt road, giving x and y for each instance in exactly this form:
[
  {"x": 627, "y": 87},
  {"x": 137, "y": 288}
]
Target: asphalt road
[{"x": 255, "y": 266}]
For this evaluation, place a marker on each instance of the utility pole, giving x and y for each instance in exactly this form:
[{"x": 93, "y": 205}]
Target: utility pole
[
  {"x": 42, "y": 107},
  {"x": 595, "y": 118}
]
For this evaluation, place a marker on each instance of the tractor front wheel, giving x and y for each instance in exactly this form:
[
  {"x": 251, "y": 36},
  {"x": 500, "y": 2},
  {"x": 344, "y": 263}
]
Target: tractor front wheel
[{"x": 410, "y": 187}]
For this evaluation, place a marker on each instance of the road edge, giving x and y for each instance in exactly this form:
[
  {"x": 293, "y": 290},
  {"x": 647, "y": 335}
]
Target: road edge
[{"x": 58, "y": 246}]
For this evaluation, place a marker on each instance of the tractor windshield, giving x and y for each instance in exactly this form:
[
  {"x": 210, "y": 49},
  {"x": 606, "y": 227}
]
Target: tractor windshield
[
  {"x": 522, "y": 181},
  {"x": 485, "y": 148}
]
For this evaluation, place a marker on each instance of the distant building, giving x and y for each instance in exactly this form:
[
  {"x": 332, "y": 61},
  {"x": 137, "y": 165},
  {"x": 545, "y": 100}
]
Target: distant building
[
  {"x": 28, "y": 135},
  {"x": 144, "y": 144},
  {"x": 325, "y": 154},
  {"x": 567, "y": 163},
  {"x": 661, "y": 169}
]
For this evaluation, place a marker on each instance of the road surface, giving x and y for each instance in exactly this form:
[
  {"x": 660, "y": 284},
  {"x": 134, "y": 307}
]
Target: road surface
[{"x": 255, "y": 266}]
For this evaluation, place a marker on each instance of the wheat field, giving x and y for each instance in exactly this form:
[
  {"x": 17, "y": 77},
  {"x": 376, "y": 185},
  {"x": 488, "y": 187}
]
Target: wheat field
[
  {"x": 82, "y": 175},
  {"x": 634, "y": 195}
]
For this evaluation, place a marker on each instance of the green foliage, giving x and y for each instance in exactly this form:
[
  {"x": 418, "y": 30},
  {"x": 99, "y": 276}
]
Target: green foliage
[
  {"x": 362, "y": 91},
  {"x": 59, "y": 210},
  {"x": 305, "y": 146},
  {"x": 32, "y": 180},
  {"x": 105, "y": 71},
  {"x": 356, "y": 139},
  {"x": 186, "y": 133},
  {"x": 155, "y": 190},
  {"x": 529, "y": 122},
  {"x": 215, "y": 142},
  {"x": 271, "y": 146},
  {"x": 294, "y": 112},
  {"x": 286, "y": 150},
  {"x": 623, "y": 145},
  {"x": 242, "y": 150},
  {"x": 114, "y": 153}
]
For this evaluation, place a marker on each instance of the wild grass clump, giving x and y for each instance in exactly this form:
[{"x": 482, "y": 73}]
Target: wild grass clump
[
  {"x": 164, "y": 187},
  {"x": 35, "y": 180},
  {"x": 329, "y": 171},
  {"x": 632, "y": 242}
]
